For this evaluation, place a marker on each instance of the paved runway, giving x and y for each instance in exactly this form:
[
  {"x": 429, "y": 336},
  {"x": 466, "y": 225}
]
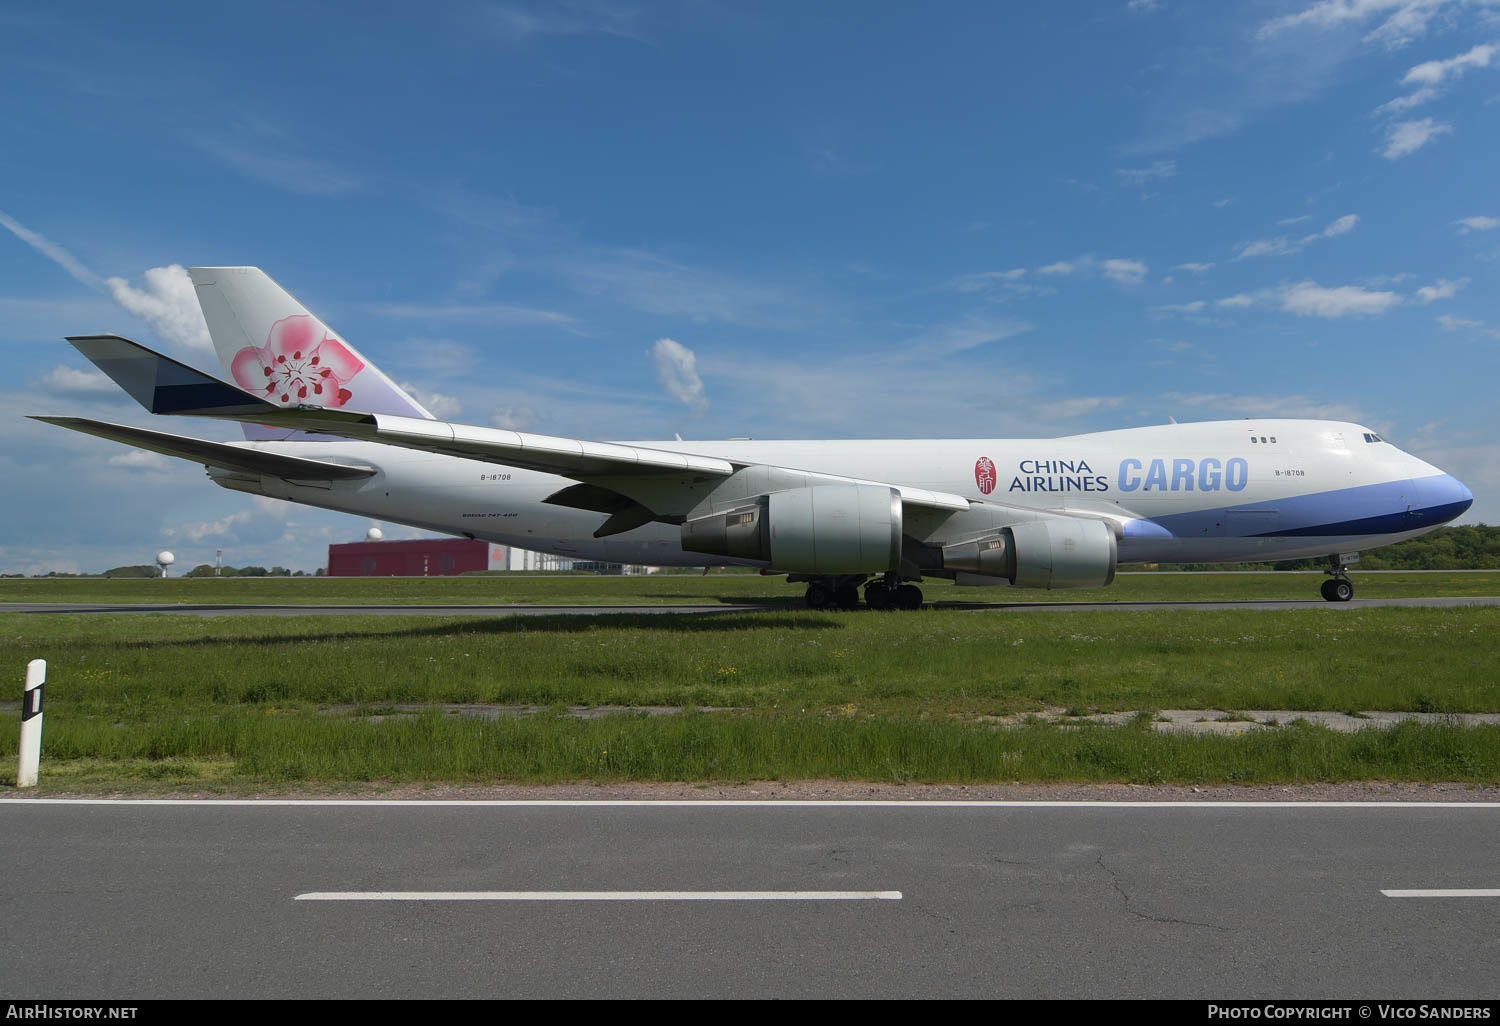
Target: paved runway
[
  {"x": 1178, "y": 900},
  {"x": 532, "y": 610}
]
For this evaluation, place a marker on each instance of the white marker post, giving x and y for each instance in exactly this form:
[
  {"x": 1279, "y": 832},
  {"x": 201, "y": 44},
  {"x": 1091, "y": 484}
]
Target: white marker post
[{"x": 31, "y": 724}]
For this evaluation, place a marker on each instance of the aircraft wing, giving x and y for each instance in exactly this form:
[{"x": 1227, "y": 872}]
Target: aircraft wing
[
  {"x": 163, "y": 385},
  {"x": 215, "y": 454}
]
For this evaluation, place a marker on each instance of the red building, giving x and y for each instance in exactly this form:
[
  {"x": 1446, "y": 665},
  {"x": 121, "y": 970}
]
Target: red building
[{"x": 424, "y": 557}]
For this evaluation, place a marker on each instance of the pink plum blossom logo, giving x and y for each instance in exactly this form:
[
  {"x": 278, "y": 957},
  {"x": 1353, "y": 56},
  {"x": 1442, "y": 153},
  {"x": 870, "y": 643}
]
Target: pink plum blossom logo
[
  {"x": 984, "y": 475},
  {"x": 300, "y": 363}
]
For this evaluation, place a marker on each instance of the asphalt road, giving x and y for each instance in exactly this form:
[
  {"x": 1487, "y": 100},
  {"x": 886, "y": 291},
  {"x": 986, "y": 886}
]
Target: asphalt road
[
  {"x": 180, "y": 609},
  {"x": 1278, "y": 901}
]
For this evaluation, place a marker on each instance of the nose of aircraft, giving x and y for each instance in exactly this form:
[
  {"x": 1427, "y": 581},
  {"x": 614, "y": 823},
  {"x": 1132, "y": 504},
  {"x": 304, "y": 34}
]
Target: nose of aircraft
[{"x": 1446, "y": 497}]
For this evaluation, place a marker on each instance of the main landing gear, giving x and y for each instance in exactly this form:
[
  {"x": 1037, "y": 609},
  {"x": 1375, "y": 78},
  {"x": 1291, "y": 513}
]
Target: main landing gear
[
  {"x": 890, "y": 593},
  {"x": 1338, "y": 587},
  {"x": 843, "y": 593},
  {"x": 833, "y": 593}
]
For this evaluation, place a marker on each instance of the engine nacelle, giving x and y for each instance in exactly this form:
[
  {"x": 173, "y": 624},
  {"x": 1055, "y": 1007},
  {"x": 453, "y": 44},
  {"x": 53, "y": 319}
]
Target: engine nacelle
[
  {"x": 1057, "y": 552},
  {"x": 826, "y": 529}
]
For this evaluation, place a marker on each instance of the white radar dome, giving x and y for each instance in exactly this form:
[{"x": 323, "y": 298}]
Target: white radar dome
[
  {"x": 165, "y": 559},
  {"x": 374, "y": 534}
]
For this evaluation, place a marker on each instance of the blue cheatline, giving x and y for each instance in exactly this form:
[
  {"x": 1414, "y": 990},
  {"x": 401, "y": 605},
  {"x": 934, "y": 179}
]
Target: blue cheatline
[{"x": 1386, "y": 508}]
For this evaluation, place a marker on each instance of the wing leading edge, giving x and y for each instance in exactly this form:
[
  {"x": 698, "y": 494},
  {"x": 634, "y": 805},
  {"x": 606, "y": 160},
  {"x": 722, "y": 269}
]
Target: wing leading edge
[{"x": 215, "y": 454}]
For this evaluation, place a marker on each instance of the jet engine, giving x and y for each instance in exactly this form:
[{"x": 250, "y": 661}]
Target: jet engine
[
  {"x": 1057, "y": 552},
  {"x": 826, "y": 529}
]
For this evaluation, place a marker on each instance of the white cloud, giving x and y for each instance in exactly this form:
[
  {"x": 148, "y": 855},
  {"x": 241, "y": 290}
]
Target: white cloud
[
  {"x": 1477, "y": 224},
  {"x": 1283, "y": 246},
  {"x": 1196, "y": 268},
  {"x": 489, "y": 313},
  {"x": 1404, "y": 103},
  {"x": 1433, "y": 73},
  {"x": 945, "y": 340},
  {"x": 677, "y": 367},
  {"x": 1192, "y": 307},
  {"x": 1409, "y": 136},
  {"x": 1403, "y": 20},
  {"x": 51, "y": 250},
  {"x": 984, "y": 281},
  {"x": 1279, "y": 246},
  {"x": 517, "y": 24},
  {"x": 1431, "y": 76},
  {"x": 199, "y": 530},
  {"x": 167, "y": 303},
  {"x": 140, "y": 459},
  {"x": 280, "y": 509},
  {"x": 1240, "y": 300},
  {"x": 1309, "y": 299},
  {"x": 1126, "y": 272},
  {"x": 68, "y": 381},
  {"x": 1222, "y": 203},
  {"x": 1294, "y": 220},
  {"x": 1140, "y": 176},
  {"x": 515, "y": 418},
  {"x": 1451, "y": 323},
  {"x": 645, "y": 281},
  {"x": 1143, "y": 6},
  {"x": 1444, "y": 289},
  {"x": 443, "y": 407},
  {"x": 1066, "y": 409},
  {"x": 1342, "y": 226},
  {"x": 265, "y": 152}
]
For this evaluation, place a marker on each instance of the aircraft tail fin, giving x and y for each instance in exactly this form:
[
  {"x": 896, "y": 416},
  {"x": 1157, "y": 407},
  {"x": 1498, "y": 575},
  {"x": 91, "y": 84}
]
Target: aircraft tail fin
[{"x": 271, "y": 346}]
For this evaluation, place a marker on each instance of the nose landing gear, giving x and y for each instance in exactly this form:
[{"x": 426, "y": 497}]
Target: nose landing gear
[{"x": 1338, "y": 587}]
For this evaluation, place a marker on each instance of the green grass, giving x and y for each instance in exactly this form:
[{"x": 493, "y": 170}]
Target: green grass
[
  {"x": 243, "y": 748},
  {"x": 930, "y": 663},
  {"x": 164, "y": 701},
  {"x": 727, "y": 589}
]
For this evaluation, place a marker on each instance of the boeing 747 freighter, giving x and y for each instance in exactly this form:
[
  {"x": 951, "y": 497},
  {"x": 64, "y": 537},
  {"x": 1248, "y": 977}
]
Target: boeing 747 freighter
[{"x": 327, "y": 428}]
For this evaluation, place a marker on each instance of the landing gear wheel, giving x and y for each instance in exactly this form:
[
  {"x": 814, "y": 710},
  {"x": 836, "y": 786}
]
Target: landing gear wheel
[
  {"x": 846, "y": 597},
  {"x": 1338, "y": 589},
  {"x": 818, "y": 596},
  {"x": 908, "y": 596},
  {"x": 878, "y": 596}
]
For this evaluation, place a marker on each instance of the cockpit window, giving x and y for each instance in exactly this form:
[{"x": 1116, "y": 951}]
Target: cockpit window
[{"x": 1372, "y": 437}]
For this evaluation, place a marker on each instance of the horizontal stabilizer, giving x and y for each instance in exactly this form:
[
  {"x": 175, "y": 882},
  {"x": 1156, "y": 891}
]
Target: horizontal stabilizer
[
  {"x": 164, "y": 386},
  {"x": 214, "y": 454}
]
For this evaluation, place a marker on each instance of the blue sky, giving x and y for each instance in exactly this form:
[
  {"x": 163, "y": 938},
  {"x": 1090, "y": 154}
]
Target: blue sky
[{"x": 846, "y": 220}]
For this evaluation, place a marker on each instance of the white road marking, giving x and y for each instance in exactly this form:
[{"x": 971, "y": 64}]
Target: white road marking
[
  {"x": 600, "y": 896},
  {"x": 780, "y": 803},
  {"x": 1472, "y": 892}
]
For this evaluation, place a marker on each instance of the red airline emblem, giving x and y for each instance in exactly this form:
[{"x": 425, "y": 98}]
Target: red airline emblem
[{"x": 984, "y": 475}]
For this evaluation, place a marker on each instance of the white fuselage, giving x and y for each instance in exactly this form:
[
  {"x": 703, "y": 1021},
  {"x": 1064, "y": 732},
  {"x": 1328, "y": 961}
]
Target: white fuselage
[{"x": 1210, "y": 492}]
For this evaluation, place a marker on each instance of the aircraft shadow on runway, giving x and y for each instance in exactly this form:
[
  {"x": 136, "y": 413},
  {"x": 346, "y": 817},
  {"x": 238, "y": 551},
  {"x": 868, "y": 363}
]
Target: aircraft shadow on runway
[
  {"x": 322, "y": 628},
  {"x": 683, "y": 623}
]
